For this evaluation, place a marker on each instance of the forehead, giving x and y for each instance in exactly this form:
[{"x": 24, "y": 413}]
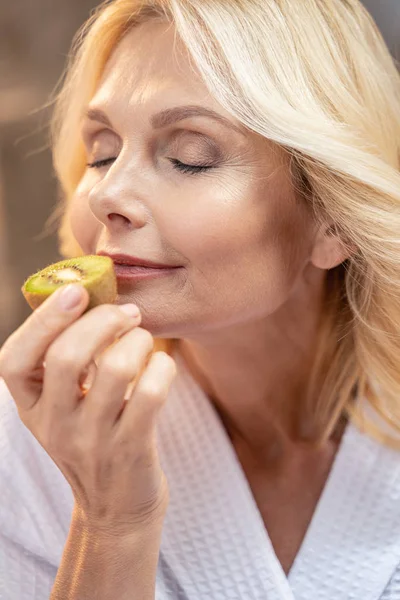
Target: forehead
[
  {"x": 151, "y": 70},
  {"x": 149, "y": 62}
]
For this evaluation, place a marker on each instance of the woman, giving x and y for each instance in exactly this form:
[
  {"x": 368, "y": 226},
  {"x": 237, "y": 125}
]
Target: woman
[{"x": 253, "y": 149}]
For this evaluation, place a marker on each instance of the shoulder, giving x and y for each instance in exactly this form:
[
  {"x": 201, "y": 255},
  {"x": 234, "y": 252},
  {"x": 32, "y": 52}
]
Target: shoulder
[{"x": 37, "y": 501}]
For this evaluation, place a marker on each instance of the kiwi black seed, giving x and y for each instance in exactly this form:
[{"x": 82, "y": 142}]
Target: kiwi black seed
[{"x": 95, "y": 273}]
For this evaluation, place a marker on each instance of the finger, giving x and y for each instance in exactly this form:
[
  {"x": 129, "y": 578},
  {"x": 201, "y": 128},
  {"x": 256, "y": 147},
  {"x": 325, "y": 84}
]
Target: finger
[
  {"x": 22, "y": 354},
  {"x": 116, "y": 368},
  {"x": 74, "y": 350},
  {"x": 148, "y": 397},
  {"x": 87, "y": 378},
  {"x": 89, "y": 374}
]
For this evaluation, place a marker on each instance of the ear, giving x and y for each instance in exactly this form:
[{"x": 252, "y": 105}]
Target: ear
[{"x": 329, "y": 249}]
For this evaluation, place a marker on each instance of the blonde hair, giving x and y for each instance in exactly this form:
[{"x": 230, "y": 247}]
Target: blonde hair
[{"x": 316, "y": 78}]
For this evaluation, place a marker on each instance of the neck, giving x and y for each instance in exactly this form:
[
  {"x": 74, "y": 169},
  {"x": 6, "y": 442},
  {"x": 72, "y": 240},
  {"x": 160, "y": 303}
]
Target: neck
[{"x": 257, "y": 376}]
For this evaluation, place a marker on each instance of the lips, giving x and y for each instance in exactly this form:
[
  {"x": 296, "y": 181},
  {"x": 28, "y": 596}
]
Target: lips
[
  {"x": 129, "y": 273},
  {"x": 134, "y": 261},
  {"x": 135, "y": 268}
]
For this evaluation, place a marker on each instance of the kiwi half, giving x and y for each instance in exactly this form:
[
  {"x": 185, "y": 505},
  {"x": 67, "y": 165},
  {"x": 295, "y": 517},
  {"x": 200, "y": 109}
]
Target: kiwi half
[{"x": 95, "y": 273}]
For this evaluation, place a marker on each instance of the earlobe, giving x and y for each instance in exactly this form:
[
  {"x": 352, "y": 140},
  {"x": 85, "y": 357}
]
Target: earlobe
[{"x": 329, "y": 250}]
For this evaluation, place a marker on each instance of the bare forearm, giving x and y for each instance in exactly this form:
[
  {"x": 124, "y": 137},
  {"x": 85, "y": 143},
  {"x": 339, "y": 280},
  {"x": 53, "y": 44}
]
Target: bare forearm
[{"x": 99, "y": 567}]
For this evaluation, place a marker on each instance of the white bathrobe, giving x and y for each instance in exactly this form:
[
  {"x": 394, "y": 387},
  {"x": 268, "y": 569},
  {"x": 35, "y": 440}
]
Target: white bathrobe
[{"x": 214, "y": 544}]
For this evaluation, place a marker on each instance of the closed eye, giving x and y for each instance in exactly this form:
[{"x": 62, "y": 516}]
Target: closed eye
[
  {"x": 97, "y": 164},
  {"x": 180, "y": 166}
]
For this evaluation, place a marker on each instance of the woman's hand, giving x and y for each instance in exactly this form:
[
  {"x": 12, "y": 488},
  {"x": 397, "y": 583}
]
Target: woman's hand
[{"x": 104, "y": 446}]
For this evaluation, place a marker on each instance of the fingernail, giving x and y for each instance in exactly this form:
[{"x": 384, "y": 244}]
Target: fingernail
[
  {"x": 130, "y": 309},
  {"x": 70, "y": 296}
]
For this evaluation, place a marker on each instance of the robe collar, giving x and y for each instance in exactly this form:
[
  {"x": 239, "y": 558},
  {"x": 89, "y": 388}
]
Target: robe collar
[{"x": 214, "y": 542}]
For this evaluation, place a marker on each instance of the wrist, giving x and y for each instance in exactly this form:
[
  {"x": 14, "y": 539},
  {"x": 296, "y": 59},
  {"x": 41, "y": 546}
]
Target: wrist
[
  {"x": 122, "y": 532},
  {"x": 102, "y": 562}
]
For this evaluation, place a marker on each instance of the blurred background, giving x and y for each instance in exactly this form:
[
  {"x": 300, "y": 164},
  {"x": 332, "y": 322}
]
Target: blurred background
[{"x": 35, "y": 38}]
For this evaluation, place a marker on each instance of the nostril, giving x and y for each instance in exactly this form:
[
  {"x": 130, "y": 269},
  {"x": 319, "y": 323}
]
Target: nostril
[{"x": 114, "y": 216}]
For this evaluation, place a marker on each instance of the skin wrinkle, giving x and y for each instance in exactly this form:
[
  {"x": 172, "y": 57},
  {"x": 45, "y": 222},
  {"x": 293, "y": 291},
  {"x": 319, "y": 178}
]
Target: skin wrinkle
[{"x": 247, "y": 301}]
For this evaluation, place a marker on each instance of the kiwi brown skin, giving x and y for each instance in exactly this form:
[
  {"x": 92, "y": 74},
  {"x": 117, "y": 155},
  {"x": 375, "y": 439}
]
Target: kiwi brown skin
[{"x": 95, "y": 273}]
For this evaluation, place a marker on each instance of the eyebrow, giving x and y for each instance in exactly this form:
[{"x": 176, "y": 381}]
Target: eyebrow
[{"x": 170, "y": 116}]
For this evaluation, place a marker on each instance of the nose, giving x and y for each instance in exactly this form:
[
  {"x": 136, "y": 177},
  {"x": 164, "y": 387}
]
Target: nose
[{"x": 118, "y": 199}]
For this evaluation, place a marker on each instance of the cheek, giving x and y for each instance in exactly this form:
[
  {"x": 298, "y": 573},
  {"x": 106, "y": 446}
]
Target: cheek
[
  {"x": 211, "y": 225},
  {"x": 245, "y": 254},
  {"x": 240, "y": 229},
  {"x": 84, "y": 226}
]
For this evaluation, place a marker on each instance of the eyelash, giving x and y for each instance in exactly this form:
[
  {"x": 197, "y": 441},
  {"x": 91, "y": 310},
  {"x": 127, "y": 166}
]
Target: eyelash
[{"x": 189, "y": 169}]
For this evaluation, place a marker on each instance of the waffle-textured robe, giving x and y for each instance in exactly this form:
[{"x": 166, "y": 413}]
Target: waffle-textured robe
[{"x": 214, "y": 544}]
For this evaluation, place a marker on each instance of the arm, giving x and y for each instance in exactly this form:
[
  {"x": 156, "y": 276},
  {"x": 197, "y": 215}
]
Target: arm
[
  {"x": 98, "y": 566},
  {"x": 104, "y": 444}
]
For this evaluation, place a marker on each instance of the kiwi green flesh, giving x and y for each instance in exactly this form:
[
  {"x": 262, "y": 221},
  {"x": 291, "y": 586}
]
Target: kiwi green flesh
[{"x": 95, "y": 273}]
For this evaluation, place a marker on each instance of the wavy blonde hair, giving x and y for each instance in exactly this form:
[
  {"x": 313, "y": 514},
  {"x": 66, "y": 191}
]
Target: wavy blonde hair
[{"x": 316, "y": 78}]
